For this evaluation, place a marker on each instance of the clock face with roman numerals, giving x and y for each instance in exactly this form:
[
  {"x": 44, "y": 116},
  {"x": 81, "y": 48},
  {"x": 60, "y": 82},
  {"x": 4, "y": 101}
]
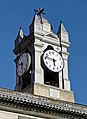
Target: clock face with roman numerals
[
  {"x": 23, "y": 64},
  {"x": 53, "y": 60}
]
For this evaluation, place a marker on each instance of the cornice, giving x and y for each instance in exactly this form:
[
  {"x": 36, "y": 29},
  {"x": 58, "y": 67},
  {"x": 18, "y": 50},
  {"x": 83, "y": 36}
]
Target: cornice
[{"x": 28, "y": 101}]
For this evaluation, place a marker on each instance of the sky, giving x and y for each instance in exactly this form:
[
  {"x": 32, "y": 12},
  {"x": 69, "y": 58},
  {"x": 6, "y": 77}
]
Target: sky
[{"x": 73, "y": 13}]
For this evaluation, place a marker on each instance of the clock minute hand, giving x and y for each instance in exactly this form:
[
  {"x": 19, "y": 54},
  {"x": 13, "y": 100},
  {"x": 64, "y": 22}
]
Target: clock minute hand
[
  {"x": 52, "y": 59},
  {"x": 49, "y": 58}
]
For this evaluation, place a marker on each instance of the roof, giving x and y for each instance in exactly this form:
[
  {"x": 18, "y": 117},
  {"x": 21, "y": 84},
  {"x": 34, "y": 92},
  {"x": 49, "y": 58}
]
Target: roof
[{"x": 28, "y": 100}]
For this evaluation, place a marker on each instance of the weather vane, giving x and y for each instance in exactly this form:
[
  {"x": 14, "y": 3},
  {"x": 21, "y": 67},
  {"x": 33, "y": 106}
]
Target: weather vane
[{"x": 40, "y": 11}]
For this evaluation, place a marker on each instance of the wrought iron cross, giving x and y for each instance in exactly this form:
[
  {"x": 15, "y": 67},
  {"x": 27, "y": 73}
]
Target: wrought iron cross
[{"x": 40, "y": 11}]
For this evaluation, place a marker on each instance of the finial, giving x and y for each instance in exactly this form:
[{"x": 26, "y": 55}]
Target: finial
[
  {"x": 61, "y": 21},
  {"x": 21, "y": 34},
  {"x": 40, "y": 11},
  {"x": 20, "y": 27}
]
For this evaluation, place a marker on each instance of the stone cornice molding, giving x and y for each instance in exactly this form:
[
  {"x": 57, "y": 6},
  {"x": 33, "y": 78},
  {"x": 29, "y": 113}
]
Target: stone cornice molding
[{"x": 28, "y": 100}]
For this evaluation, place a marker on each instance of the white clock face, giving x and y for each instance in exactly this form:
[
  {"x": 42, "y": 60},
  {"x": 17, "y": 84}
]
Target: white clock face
[
  {"x": 53, "y": 60},
  {"x": 23, "y": 64}
]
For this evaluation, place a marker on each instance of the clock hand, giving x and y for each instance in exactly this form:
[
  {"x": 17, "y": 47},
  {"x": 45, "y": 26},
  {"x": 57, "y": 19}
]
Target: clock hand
[
  {"x": 54, "y": 61},
  {"x": 20, "y": 64},
  {"x": 49, "y": 58}
]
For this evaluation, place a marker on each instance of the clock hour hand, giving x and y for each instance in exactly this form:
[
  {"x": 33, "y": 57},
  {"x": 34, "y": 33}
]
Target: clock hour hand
[
  {"x": 54, "y": 61},
  {"x": 20, "y": 64}
]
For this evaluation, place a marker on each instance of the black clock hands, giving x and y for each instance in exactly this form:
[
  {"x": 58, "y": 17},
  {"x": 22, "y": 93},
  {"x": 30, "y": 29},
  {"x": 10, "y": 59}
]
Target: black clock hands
[
  {"x": 52, "y": 59},
  {"x": 20, "y": 64},
  {"x": 49, "y": 58}
]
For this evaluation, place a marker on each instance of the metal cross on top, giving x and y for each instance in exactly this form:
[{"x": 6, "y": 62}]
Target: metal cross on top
[{"x": 40, "y": 11}]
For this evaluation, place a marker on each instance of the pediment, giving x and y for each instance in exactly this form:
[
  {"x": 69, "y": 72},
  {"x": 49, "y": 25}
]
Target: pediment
[{"x": 51, "y": 35}]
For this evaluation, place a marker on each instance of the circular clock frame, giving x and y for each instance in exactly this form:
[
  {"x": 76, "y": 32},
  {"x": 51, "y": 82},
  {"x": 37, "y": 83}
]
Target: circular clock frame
[
  {"x": 23, "y": 64},
  {"x": 52, "y": 61}
]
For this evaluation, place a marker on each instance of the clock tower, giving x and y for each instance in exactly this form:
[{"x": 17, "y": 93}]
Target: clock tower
[{"x": 42, "y": 60}]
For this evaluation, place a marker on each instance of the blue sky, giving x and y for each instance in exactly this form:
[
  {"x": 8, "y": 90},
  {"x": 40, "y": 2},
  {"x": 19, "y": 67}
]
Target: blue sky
[{"x": 73, "y": 14}]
